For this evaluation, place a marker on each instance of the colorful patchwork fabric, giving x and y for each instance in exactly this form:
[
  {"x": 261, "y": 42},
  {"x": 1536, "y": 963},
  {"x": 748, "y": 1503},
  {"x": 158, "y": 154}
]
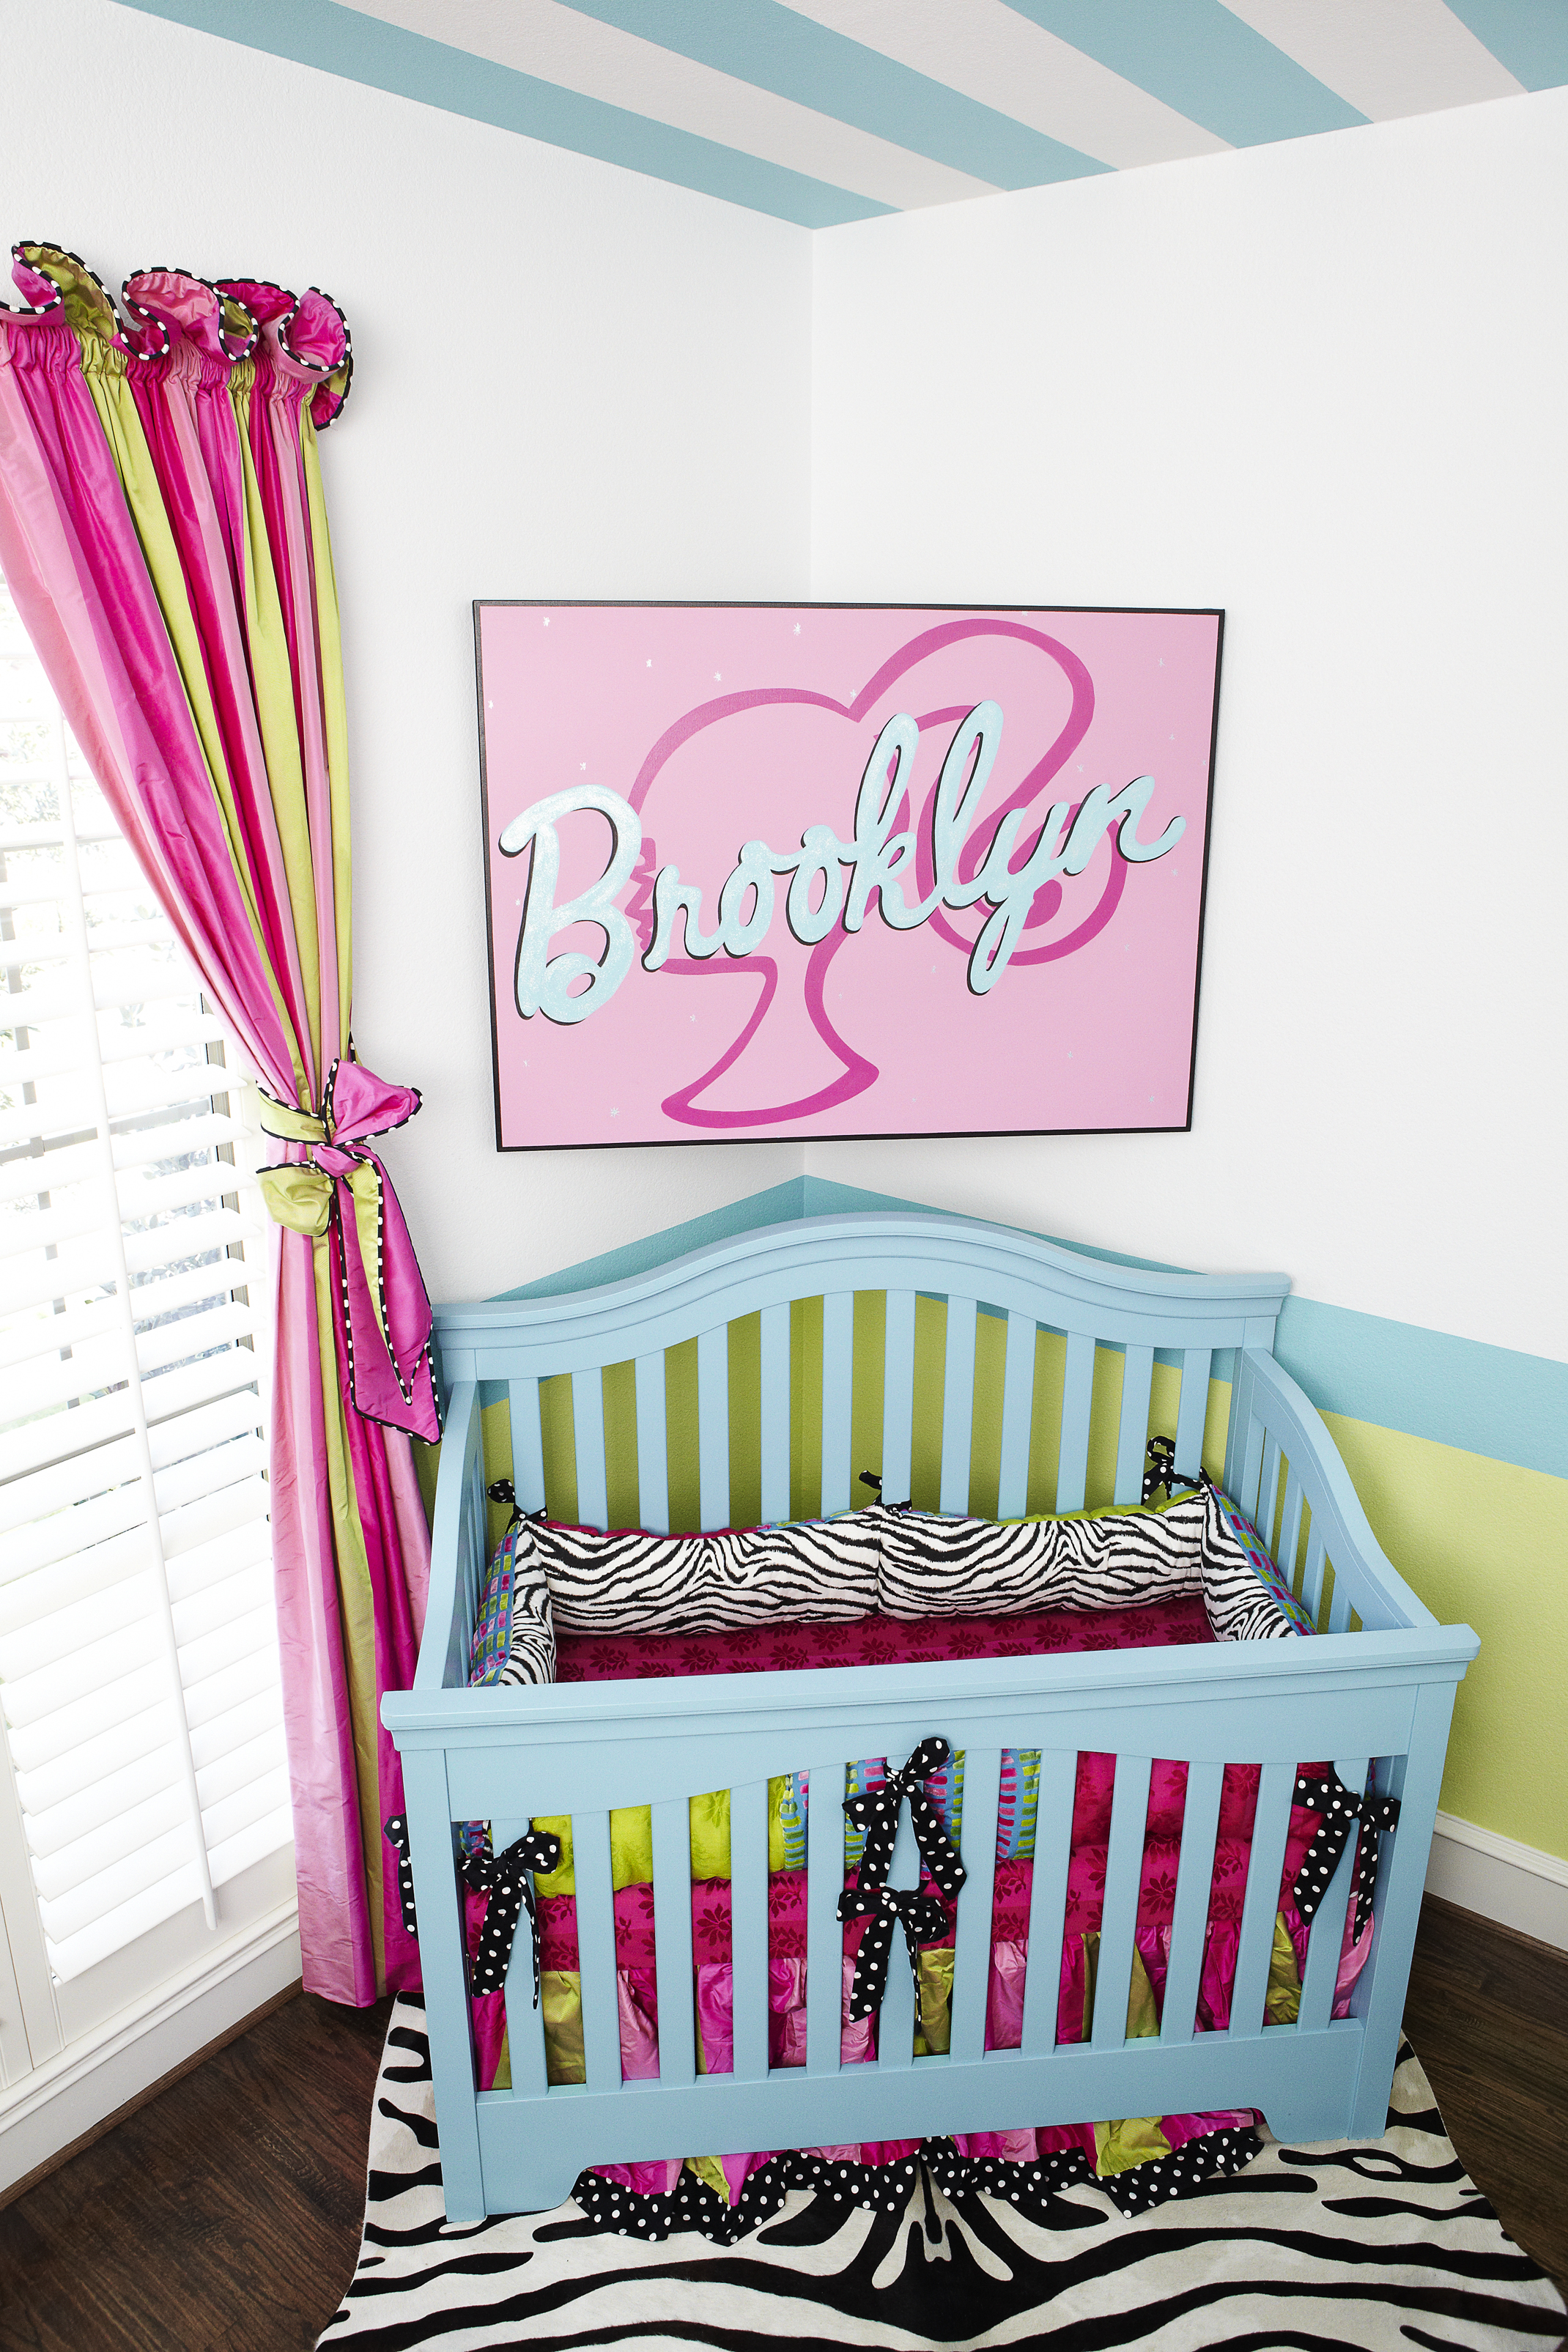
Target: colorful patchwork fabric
[
  {"x": 492, "y": 1618},
  {"x": 1251, "y": 1544},
  {"x": 1018, "y": 1805}
]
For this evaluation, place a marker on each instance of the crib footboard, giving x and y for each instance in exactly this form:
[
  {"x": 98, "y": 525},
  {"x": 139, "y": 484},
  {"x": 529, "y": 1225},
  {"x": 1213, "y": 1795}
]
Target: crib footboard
[{"x": 1383, "y": 1700}]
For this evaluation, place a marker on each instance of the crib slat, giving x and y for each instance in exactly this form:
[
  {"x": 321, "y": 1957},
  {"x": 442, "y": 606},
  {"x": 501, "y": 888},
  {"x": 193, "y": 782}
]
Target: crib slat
[
  {"x": 1312, "y": 1577},
  {"x": 1340, "y": 1606},
  {"x": 1289, "y": 1527},
  {"x": 713, "y": 1424},
  {"x": 588, "y": 1430},
  {"x": 1192, "y": 1414},
  {"x": 838, "y": 1378},
  {"x": 524, "y": 2023},
  {"x": 896, "y": 2020},
  {"x": 1123, "y": 1863},
  {"x": 1267, "y": 1491},
  {"x": 653, "y": 1459},
  {"x": 527, "y": 1445},
  {"x": 957, "y": 1403},
  {"x": 596, "y": 1949},
  {"x": 1270, "y": 1828},
  {"x": 1048, "y": 1898},
  {"x": 1319, "y": 1976},
  {"x": 972, "y": 1956},
  {"x": 748, "y": 1927},
  {"x": 1195, "y": 1881},
  {"x": 1133, "y": 1439},
  {"x": 899, "y": 1396},
  {"x": 1077, "y": 1395},
  {"x": 1251, "y": 1464},
  {"x": 1018, "y": 1416},
  {"x": 446, "y": 2013},
  {"x": 775, "y": 1413},
  {"x": 672, "y": 1938},
  {"x": 824, "y": 1934}
]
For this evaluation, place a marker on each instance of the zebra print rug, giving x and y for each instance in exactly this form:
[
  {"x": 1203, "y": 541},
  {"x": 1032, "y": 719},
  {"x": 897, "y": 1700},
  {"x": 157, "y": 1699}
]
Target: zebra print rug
[{"x": 1384, "y": 2244}]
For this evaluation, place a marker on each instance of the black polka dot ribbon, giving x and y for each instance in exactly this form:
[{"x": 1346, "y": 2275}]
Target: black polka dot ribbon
[
  {"x": 396, "y": 1832},
  {"x": 1337, "y": 1809},
  {"x": 504, "y": 1877},
  {"x": 1162, "y": 1470},
  {"x": 922, "y": 1917}
]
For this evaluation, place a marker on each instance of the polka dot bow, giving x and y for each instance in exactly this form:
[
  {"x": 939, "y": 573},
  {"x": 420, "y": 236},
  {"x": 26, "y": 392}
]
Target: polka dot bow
[
  {"x": 1162, "y": 1470},
  {"x": 504, "y": 1876},
  {"x": 922, "y": 1917},
  {"x": 1336, "y": 1809},
  {"x": 396, "y": 1832}
]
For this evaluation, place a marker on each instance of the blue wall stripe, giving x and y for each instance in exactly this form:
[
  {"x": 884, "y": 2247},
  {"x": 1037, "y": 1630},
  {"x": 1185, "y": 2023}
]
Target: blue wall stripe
[
  {"x": 362, "y": 48},
  {"x": 1197, "y": 56},
  {"x": 761, "y": 42},
  {"x": 1528, "y": 36},
  {"x": 1461, "y": 1392}
]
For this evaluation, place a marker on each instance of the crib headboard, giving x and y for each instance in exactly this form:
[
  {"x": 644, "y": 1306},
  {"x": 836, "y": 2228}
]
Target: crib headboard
[{"x": 951, "y": 1297}]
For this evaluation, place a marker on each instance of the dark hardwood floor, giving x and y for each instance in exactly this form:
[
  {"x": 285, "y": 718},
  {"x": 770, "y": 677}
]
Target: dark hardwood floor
[{"x": 225, "y": 2216}]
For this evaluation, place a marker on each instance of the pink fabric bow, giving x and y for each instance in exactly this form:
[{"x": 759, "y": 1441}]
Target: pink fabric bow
[{"x": 341, "y": 1191}]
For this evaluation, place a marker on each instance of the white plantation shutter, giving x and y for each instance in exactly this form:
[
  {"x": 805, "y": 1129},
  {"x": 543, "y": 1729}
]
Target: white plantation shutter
[{"x": 139, "y": 1678}]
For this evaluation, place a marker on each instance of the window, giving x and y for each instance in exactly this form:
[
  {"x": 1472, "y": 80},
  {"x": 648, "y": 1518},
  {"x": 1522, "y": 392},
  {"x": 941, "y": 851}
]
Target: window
[{"x": 139, "y": 1673}]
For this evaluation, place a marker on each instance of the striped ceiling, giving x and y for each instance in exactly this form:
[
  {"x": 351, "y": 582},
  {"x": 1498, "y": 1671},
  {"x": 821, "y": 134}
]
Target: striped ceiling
[{"x": 827, "y": 110}]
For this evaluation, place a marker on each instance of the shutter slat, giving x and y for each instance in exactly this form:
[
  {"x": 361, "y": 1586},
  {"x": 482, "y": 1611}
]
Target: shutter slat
[{"x": 138, "y": 1665}]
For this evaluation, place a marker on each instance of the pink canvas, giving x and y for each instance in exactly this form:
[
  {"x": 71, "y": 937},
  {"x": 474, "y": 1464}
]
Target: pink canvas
[{"x": 771, "y": 870}]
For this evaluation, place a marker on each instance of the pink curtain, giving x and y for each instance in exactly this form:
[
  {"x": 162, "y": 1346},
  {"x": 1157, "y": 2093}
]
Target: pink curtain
[{"x": 164, "y": 533}]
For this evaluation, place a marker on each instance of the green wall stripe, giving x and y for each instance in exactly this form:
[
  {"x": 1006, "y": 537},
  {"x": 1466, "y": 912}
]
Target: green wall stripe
[
  {"x": 362, "y": 48},
  {"x": 1493, "y": 1401}
]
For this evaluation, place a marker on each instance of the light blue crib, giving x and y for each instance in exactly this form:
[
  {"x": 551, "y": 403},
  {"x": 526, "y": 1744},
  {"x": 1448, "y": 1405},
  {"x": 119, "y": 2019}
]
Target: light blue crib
[{"x": 1377, "y": 1687}]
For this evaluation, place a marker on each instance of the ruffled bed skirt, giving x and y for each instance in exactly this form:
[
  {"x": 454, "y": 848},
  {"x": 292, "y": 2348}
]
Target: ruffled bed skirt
[{"x": 959, "y": 2167}]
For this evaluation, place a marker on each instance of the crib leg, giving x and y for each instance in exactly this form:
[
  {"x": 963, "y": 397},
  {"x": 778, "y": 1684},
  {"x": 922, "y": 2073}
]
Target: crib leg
[
  {"x": 1379, "y": 1999},
  {"x": 442, "y": 1966}
]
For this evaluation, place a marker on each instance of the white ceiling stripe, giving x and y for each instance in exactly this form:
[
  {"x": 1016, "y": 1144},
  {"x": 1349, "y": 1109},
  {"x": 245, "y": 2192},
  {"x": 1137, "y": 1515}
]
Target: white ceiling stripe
[
  {"x": 1385, "y": 58},
  {"x": 990, "y": 53},
  {"x": 576, "y": 52}
]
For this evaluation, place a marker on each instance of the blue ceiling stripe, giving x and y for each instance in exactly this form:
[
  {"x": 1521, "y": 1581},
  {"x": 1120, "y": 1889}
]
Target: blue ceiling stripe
[
  {"x": 761, "y": 42},
  {"x": 1528, "y": 36},
  {"x": 1199, "y": 58},
  {"x": 363, "y": 48}
]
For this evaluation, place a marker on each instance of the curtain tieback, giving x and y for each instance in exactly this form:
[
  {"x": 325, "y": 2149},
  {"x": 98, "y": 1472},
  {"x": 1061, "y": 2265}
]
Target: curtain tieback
[
  {"x": 1336, "y": 1809},
  {"x": 341, "y": 1190},
  {"x": 922, "y": 1917}
]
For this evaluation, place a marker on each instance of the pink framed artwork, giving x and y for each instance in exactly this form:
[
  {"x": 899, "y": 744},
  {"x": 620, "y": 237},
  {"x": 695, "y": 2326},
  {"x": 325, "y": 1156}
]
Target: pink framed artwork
[{"x": 764, "y": 870}]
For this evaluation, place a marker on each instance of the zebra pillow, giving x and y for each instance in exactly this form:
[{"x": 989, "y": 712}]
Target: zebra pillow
[
  {"x": 818, "y": 1571},
  {"x": 933, "y": 1566}
]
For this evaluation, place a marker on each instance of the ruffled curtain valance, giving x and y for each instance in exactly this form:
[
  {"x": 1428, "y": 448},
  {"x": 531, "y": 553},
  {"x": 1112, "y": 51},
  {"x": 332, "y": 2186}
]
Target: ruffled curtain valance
[{"x": 164, "y": 530}]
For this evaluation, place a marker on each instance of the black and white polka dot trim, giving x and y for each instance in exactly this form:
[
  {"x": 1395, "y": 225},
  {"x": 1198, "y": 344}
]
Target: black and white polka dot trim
[{"x": 1032, "y": 2187}]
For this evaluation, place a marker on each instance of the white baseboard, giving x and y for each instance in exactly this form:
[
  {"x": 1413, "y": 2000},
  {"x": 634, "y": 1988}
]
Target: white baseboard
[
  {"x": 1516, "y": 1884},
  {"x": 99, "y": 2072}
]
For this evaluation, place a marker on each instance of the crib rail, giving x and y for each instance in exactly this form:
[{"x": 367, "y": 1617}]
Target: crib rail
[
  {"x": 1016, "y": 1340},
  {"x": 584, "y": 1748}
]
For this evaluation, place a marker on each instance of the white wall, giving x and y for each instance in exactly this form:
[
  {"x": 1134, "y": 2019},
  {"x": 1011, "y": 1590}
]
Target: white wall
[
  {"x": 1321, "y": 384},
  {"x": 570, "y": 380}
]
